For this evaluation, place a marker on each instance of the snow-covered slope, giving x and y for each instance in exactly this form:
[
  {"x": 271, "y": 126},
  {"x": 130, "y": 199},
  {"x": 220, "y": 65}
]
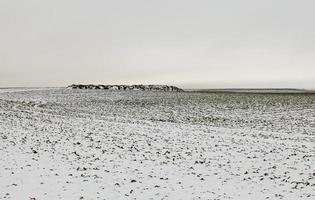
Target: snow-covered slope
[{"x": 92, "y": 144}]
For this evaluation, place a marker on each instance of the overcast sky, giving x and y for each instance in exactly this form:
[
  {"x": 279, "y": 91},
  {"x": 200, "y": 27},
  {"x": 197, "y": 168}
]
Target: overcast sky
[{"x": 188, "y": 43}]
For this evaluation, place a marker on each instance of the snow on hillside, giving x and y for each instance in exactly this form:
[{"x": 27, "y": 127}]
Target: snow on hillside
[{"x": 95, "y": 144}]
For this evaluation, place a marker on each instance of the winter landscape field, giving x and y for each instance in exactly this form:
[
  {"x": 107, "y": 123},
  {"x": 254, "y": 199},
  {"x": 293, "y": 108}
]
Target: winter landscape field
[{"x": 92, "y": 144}]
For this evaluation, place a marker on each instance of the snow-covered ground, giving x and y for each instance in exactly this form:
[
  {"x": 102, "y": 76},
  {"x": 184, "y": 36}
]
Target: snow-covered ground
[{"x": 91, "y": 144}]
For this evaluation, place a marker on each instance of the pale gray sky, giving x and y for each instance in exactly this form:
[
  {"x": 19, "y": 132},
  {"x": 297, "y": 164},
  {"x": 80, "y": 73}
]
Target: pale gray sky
[{"x": 195, "y": 43}]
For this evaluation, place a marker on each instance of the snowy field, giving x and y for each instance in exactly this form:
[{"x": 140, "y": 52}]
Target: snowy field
[{"x": 93, "y": 144}]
